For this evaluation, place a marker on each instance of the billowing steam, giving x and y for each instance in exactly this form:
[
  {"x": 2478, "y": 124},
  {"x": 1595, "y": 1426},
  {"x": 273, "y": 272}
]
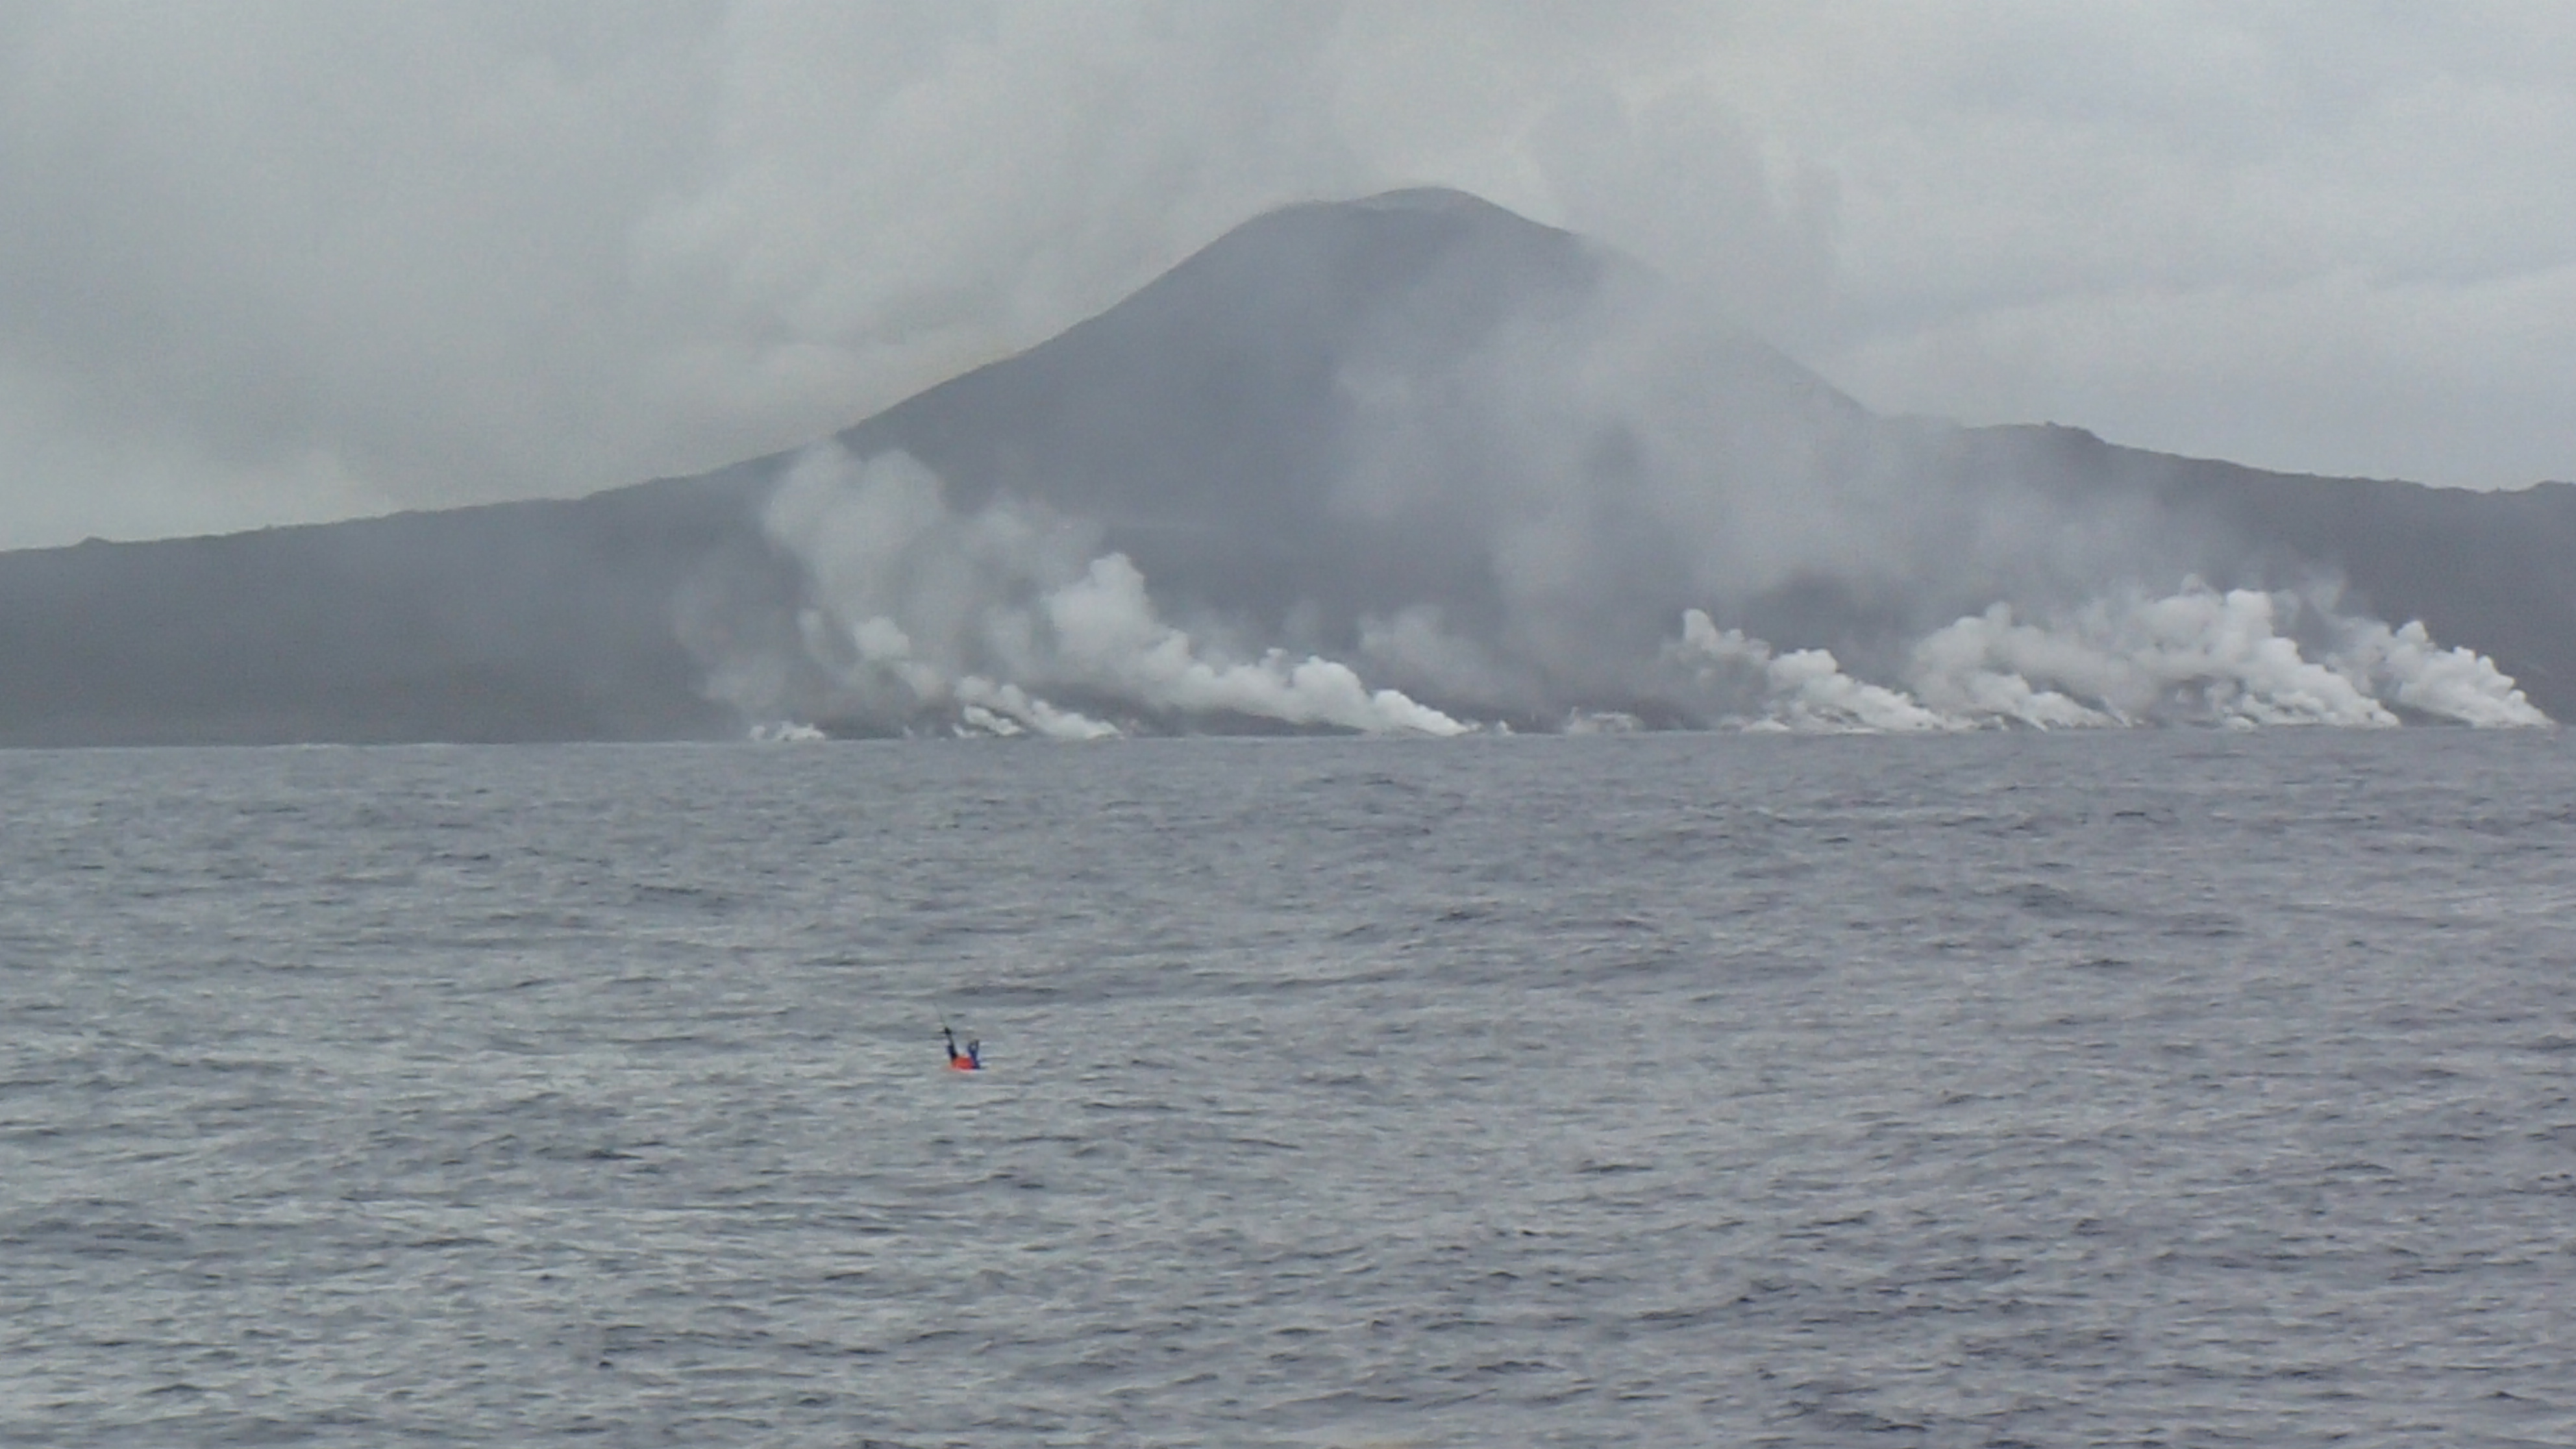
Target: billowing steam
[
  {"x": 2196, "y": 657},
  {"x": 1803, "y": 689},
  {"x": 921, "y": 617},
  {"x": 1105, "y": 635},
  {"x": 1011, "y": 621},
  {"x": 1471, "y": 473}
]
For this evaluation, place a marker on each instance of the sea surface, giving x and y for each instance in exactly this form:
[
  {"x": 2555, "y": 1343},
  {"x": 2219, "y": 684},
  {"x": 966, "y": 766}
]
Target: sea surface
[{"x": 2159, "y": 1088}]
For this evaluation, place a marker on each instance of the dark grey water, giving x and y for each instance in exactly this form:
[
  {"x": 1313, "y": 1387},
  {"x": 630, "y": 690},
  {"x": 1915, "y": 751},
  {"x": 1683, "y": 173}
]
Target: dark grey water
[{"x": 2145, "y": 1088}]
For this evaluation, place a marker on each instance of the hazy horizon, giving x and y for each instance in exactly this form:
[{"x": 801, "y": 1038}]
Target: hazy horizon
[{"x": 305, "y": 264}]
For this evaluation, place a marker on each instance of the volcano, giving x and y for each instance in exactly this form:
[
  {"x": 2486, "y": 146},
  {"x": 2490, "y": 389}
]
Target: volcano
[{"x": 1406, "y": 463}]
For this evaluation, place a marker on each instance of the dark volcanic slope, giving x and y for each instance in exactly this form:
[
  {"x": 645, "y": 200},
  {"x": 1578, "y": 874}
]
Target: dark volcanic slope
[
  {"x": 521, "y": 621},
  {"x": 1332, "y": 414},
  {"x": 1213, "y": 421},
  {"x": 2494, "y": 571}
]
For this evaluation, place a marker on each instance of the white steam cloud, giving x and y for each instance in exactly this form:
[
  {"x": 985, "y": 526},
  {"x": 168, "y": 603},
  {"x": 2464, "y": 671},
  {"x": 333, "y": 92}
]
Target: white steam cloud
[
  {"x": 1013, "y": 620},
  {"x": 2198, "y": 656},
  {"x": 921, "y": 616},
  {"x": 1806, "y": 689},
  {"x": 2458, "y": 684},
  {"x": 1106, "y": 634}
]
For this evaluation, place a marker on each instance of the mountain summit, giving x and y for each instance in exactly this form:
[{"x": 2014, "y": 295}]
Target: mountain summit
[{"x": 1406, "y": 463}]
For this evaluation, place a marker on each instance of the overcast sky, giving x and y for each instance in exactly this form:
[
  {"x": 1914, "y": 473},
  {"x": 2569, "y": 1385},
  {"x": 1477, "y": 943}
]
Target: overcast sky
[{"x": 269, "y": 262}]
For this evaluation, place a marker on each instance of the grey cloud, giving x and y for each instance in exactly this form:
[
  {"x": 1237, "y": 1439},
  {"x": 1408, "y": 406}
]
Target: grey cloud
[{"x": 302, "y": 259}]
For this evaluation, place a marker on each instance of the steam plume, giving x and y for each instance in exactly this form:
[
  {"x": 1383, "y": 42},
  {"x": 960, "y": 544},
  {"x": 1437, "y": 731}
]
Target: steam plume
[
  {"x": 1490, "y": 465},
  {"x": 2195, "y": 657},
  {"x": 918, "y": 613}
]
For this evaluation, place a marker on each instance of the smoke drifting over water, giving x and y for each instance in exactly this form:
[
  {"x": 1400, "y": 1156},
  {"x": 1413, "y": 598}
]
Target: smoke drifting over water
[
  {"x": 2201, "y": 656},
  {"x": 925, "y": 619},
  {"x": 2196, "y": 657},
  {"x": 1416, "y": 466},
  {"x": 921, "y": 616}
]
